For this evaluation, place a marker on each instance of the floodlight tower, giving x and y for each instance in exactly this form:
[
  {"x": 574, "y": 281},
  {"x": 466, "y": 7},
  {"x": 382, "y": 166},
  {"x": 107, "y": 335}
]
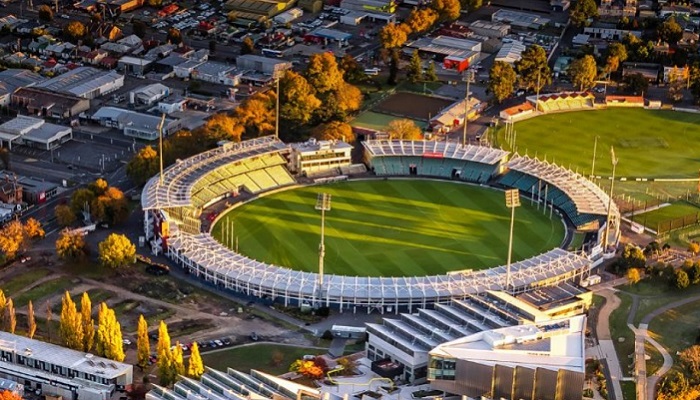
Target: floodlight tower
[
  {"x": 467, "y": 77},
  {"x": 610, "y": 199},
  {"x": 595, "y": 148},
  {"x": 512, "y": 201},
  {"x": 323, "y": 204}
]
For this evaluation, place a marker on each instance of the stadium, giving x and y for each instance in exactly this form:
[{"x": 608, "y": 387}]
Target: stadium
[{"x": 178, "y": 216}]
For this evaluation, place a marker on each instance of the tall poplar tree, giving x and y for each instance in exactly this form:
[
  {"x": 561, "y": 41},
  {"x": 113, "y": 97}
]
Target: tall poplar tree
[
  {"x": 31, "y": 321},
  {"x": 178, "y": 361},
  {"x": 109, "y": 335},
  {"x": 87, "y": 322},
  {"x": 195, "y": 366},
  {"x": 71, "y": 328},
  {"x": 165, "y": 363},
  {"x": 11, "y": 317},
  {"x": 143, "y": 346}
]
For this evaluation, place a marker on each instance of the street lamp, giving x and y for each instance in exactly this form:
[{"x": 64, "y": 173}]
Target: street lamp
[
  {"x": 610, "y": 199},
  {"x": 595, "y": 149},
  {"x": 323, "y": 204},
  {"x": 512, "y": 201}
]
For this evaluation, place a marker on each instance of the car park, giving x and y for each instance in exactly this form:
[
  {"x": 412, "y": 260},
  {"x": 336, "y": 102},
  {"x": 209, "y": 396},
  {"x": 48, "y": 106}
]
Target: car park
[{"x": 219, "y": 342}]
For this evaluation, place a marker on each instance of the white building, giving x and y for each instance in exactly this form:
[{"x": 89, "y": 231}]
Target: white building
[
  {"x": 265, "y": 65},
  {"x": 319, "y": 157},
  {"x": 289, "y": 16},
  {"x": 216, "y": 72},
  {"x": 511, "y": 52},
  {"x": 85, "y": 82},
  {"x": 149, "y": 94},
  {"x": 58, "y": 371},
  {"x": 134, "y": 124},
  {"x": 172, "y": 105},
  {"x": 13, "y": 79},
  {"x": 184, "y": 70},
  {"x": 34, "y": 132}
]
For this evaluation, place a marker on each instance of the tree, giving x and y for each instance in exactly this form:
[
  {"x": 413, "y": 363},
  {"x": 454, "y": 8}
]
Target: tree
[
  {"x": 75, "y": 30},
  {"x": 139, "y": 28},
  {"x": 257, "y": 114},
  {"x": 117, "y": 251},
  {"x": 111, "y": 207},
  {"x": 471, "y": 5},
  {"x": 142, "y": 166},
  {"x": 348, "y": 99},
  {"x": 308, "y": 368},
  {"x": 298, "y": 101},
  {"x": 616, "y": 55},
  {"x": 349, "y": 366},
  {"x": 690, "y": 357},
  {"x": 448, "y": 10},
  {"x": 174, "y": 36},
  {"x": 430, "y": 73},
  {"x": 421, "y": 19},
  {"x": 334, "y": 130},
  {"x": 633, "y": 276},
  {"x": 633, "y": 257},
  {"x": 415, "y": 68},
  {"x": 582, "y": 11},
  {"x": 165, "y": 369},
  {"x": 247, "y": 46},
  {"x": 155, "y": 3},
  {"x": 675, "y": 91},
  {"x": 352, "y": 70},
  {"x": 670, "y": 31},
  {"x": 108, "y": 341},
  {"x": 45, "y": 13},
  {"x": 636, "y": 83},
  {"x": 70, "y": 325},
  {"x": 9, "y": 395},
  {"x": 681, "y": 279},
  {"x": 178, "y": 360},
  {"x": 12, "y": 239},
  {"x": 195, "y": 365},
  {"x": 393, "y": 67},
  {"x": 99, "y": 186},
  {"x": 532, "y": 68},
  {"x": 64, "y": 215},
  {"x": 694, "y": 247},
  {"x": 143, "y": 345},
  {"x": 81, "y": 199},
  {"x": 221, "y": 126},
  {"x": 404, "y": 129},
  {"x": 31, "y": 320},
  {"x": 3, "y": 307},
  {"x": 323, "y": 73},
  {"x": 87, "y": 322},
  {"x": 393, "y": 35},
  {"x": 49, "y": 319},
  {"x": 33, "y": 229},
  {"x": 583, "y": 72},
  {"x": 10, "y": 317},
  {"x": 502, "y": 80},
  {"x": 71, "y": 245}
]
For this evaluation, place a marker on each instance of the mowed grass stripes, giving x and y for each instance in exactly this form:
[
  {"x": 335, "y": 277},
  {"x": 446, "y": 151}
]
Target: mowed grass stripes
[
  {"x": 648, "y": 143},
  {"x": 390, "y": 228}
]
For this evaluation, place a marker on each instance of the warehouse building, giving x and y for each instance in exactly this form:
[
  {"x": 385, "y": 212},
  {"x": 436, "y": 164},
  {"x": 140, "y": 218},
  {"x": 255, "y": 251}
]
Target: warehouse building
[
  {"x": 260, "y": 8},
  {"x": 57, "y": 371},
  {"x": 265, "y": 65},
  {"x": 13, "y": 79},
  {"x": 34, "y": 132},
  {"x": 43, "y": 103},
  {"x": 134, "y": 124},
  {"x": 85, "y": 82},
  {"x": 490, "y": 29},
  {"x": 216, "y": 72},
  {"x": 148, "y": 95}
]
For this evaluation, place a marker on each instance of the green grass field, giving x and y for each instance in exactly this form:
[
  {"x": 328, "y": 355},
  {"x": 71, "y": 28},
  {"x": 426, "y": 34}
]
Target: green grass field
[
  {"x": 256, "y": 356},
  {"x": 391, "y": 228},
  {"x": 675, "y": 210},
  {"x": 648, "y": 143}
]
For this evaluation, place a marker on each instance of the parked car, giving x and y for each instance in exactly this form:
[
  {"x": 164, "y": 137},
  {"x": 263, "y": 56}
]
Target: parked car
[
  {"x": 126, "y": 342},
  {"x": 219, "y": 342},
  {"x": 254, "y": 337},
  {"x": 227, "y": 341}
]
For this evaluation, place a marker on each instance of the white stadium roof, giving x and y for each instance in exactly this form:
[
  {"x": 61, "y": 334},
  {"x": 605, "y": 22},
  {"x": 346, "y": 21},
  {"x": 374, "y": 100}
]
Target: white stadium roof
[{"x": 480, "y": 154}]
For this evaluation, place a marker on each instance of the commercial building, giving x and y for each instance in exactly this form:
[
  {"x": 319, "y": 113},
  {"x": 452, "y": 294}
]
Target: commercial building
[
  {"x": 519, "y": 19},
  {"x": 134, "y": 65},
  {"x": 453, "y": 115},
  {"x": 319, "y": 157},
  {"x": 511, "y": 52},
  {"x": 216, "y": 72},
  {"x": 383, "y": 6},
  {"x": 148, "y": 95},
  {"x": 259, "y": 8},
  {"x": 490, "y": 29},
  {"x": 265, "y": 65},
  {"x": 454, "y": 53},
  {"x": 289, "y": 16},
  {"x": 34, "y": 132},
  {"x": 134, "y": 124},
  {"x": 85, "y": 82},
  {"x": 540, "y": 361},
  {"x": 36, "y": 191},
  {"x": 13, "y": 79},
  {"x": 43, "y": 103},
  {"x": 58, "y": 371}
]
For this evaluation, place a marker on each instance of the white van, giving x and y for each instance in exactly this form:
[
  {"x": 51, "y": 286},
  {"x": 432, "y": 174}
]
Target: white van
[{"x": 372, "y": 71}]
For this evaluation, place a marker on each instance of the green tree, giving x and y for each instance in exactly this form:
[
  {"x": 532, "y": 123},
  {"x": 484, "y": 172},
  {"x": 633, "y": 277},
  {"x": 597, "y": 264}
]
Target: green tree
[
  {"x": 247, "y": 46},
  {"x": 675, "y": 91},
  {"x": 139, "y": 28},
  {"x": 64, "y": 215},
  {"x": 75, "y": 30},
  {"x": 633, "y": 257},
  {"x": 404, "y": 129},
  {"x": 70, "y": 245},
  {"x": 583, "y": 72},
  {"x": 117, "y": 251},
  {"x": 448, "y": 10},
  {"x": 142, "y": 166},
  {"x": 430, "y": 73},
  {"x": 334, "y": 130},
  {"x": 582, "y": 11},
  {"x": 10, "y": 317},
  {"x": 108, "y": 341},
  {"x": 165, "y": 358},
  {"x": 633, "y": 276},
  {"x": 195, "y": 366},
  {"x": 616, "y": 54},
  {"x": 636, "y": 83},
  {"x": 670, "y": 31},
  {"x": 81, "y": 199},
  {"x": 174, "y": 36},
  {"x": 502, "y": 80},
  {"x": 45, "y": 13},
  {"x": 414, "y": 71},
  {"x": 393, "y": 35},
  {"x": 70, "y": 325},
  {"x": 31, "y": 320},
  {"x": 297, "y": 99},
  {"x": 532, "y": 68},
  {"x": 87, "y": 322},
  {"x": 681, "y": 279},
  {"x": 143, "y": 345}
]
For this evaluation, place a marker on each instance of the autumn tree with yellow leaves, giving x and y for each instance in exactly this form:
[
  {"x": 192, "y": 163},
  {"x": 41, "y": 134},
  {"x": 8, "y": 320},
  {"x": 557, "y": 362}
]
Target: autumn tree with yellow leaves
[{"x": 117, "y": 251}]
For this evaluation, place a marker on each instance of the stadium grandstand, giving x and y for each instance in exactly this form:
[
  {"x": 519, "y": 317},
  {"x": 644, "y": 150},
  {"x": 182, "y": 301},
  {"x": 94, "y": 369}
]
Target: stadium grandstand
[
  {"x": 408, "y": 339},
  {"x": 561, "y": 102},
  {"x": 174, "y": 204}
]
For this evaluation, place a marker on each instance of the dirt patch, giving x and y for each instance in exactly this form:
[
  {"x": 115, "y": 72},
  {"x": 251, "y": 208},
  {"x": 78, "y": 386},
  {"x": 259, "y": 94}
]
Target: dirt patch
[{"x": 412, "y": 105}]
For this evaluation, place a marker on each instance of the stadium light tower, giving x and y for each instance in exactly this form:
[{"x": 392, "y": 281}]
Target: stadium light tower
[
  {"x": 610, "y": 199},
  {"x": 512, "y": 201},
  {"x": 595, "y": 149},
  {"x": 323, "y": 204},
  {"x": 277, "y": 110},
  {"x": 468, "y": 77}
]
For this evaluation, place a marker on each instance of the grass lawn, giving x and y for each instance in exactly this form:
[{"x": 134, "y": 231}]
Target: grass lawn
[
  {"x": 675, "y": 210},
  {"x": 619, "y": 329},
  {"x": 378, "y": 121},
  {"x": 629, "y": 390},
  {"x": 20, "y": 281},
  {"x": 391, "y": 228},
  {"x": 257, "y": 356},
  {"x": 677, "y": 329},
  {"x": 42, "y": 290},
  {"x": 648, "y": 143},
  {"x": 655, "y": 293},
  {"x": 655, "y": 361}
]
